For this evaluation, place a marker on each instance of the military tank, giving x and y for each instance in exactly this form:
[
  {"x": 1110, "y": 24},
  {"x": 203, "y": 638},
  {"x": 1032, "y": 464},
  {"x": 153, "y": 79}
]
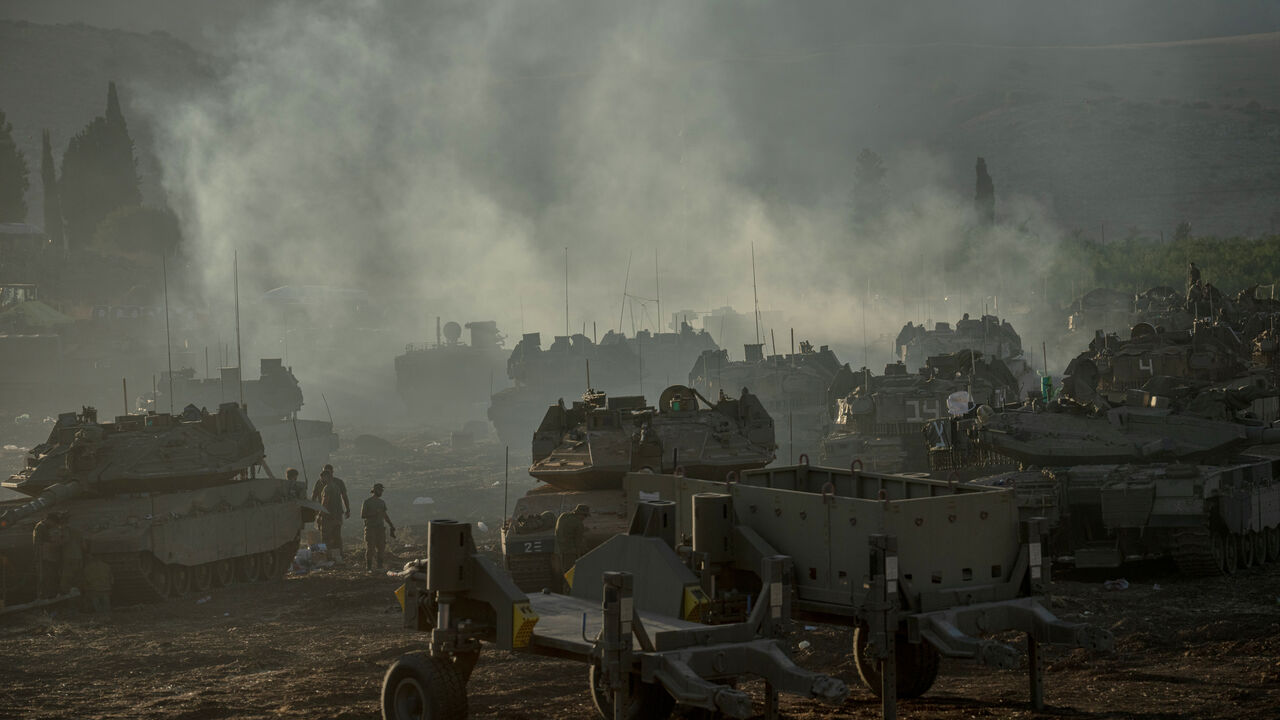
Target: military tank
[
  {"x": 452, "y": 380},
  {"x": 174, "y": 503},
  {"x": 582, "y": 453},
  {"x": 1197, "y": 483},
  {"x": 792, "y": 387},
  {"x": 273, "y": 401},
  {"x": 878, "y": 418}
]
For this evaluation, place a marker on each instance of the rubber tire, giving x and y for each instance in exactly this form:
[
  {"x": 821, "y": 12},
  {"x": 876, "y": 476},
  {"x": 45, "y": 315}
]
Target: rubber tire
[
  {"x": 431, "y": 684},
  {"x": 917, "y": 665},
  {"x": 179, "y": 580},
  {"x": 1273, "y": 544},
  {"x": 224, "y": 572},
  {"x": 249, "y": 568},
  {"x": 202, "y": 578},
  {"x": 1259, "y": 540},
  {"x": 649, "y": 701},
  {"x": 1246, "y": 550}
]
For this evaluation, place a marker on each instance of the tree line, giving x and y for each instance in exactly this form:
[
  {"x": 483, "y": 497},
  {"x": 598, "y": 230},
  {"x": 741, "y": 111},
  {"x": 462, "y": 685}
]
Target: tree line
[{"x": 94, "y": 200}]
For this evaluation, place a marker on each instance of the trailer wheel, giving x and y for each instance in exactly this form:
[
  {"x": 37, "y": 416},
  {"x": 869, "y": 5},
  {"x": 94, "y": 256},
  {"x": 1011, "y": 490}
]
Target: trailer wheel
[
  {"x": 649, "y": 701},
  {"x": 421, "y": 687},
  {"x": 917, "y": 666}
]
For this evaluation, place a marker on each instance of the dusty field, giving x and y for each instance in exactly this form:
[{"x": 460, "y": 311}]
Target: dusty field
[{"x": 316, "y": 646}]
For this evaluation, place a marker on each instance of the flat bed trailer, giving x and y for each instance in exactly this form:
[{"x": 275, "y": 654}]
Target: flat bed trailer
[
  {"x": 636, "y": 627},
  {"x": 918, "y": 567}
]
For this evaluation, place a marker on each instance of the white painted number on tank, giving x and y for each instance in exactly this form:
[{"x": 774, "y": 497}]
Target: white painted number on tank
[{"x": 921, "y": 410}]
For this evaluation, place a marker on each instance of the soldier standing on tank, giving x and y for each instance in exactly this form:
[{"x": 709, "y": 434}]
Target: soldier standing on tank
[
  {"x": 570, "y": 538},
  {"x": 47, "y": 538},
  {"x": 1193, "y": 275},
  {"x": 374, "y": 513},
  {"x": 332, "y": 494},
  {"x": 96, "y": 581}
]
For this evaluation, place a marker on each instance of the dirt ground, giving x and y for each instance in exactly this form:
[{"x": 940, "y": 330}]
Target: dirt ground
[{"x": 317, "y": 645}]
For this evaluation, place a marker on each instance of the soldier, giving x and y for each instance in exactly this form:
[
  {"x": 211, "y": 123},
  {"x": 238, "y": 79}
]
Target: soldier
[
  {"x": 47, "y": 538},
  {"x": 374, "y": 513},
  {"x": 570, "y": 540},
  {"x": 1193, "y": 275},
  {"x": 331, "y": 492},
  {"x": 97, "y": 581}
]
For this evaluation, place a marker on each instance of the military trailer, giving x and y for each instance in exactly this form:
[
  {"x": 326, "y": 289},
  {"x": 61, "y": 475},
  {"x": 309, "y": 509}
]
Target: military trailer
[
  {"x": 919, "y": 567},
  {"x": 632, "y": 617}
]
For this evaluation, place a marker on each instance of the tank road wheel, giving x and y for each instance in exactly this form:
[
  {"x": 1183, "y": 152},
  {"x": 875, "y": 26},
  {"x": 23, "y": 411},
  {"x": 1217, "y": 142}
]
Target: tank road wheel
[
  {"x": 1259, "y": 540},
  {"x": 269, "y": 565},
  {"x": 249, "y": 568},
  {"x": 179, "y": 580},
  {"x": 224, "y": 572},
  {"x": 648, "y": 700},
  {"x": 159, "y": 578},
  {"x": 1230, "y": 554},
  {"x": 202, "y": 578},
  {"x": 421, "y": 687},
  {"x": 1273, "y": 544},
  {"x": 1246, "y": 550},
  {"x": 1218, "y": 546},
  {"x": 917, "y": 665}
]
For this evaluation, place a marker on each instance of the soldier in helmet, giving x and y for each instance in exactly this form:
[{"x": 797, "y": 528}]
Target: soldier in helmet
[
  {"x": 374, "y": 514},
  {"x": 331, "y": 492},
  {"x": 570, "y": 538}
]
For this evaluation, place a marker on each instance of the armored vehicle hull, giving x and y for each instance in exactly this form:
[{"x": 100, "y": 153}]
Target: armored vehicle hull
[{"x": 172, "y": 504}]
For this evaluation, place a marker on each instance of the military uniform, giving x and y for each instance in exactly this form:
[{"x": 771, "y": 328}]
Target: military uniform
[
  {"x": 570, "y": 538},
  {"x": 97, "y": 581},
  {"x": 47, "y": 538},
  {"x": 332, "y": 493},
  {"x": 374, "y": 512}
]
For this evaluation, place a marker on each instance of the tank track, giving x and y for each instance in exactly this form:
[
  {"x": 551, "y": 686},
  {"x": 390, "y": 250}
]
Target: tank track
[
  {"x": 133, "y": 583},
  {"x": 1193, "y": 552}
]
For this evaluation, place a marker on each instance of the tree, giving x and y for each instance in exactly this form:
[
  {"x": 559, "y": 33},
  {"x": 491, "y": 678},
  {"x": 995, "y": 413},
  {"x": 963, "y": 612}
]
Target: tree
[
  {"x": 139, "y": 229},
  {"x": 13, "y": 176},
  {"x": 984, "y": 201},
  {"x": 868, "y": 185},
  {"x": 99, "y": 172},
  {"x": 52, "y": 201}
]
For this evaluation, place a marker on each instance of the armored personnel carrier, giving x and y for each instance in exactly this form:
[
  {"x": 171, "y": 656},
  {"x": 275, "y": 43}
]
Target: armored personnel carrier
[
  {"x": 572, "y": 363},
  {"x": 792, "y": 387},
  {"x": 1141, "y": 480},
  {"x": 172, "y": 503},
  {"x": 273, "y": 402},
  {"x": 452, "y": 380},
  {"x": 878, "y": 418},
  {"x": 582, "y": 453}
]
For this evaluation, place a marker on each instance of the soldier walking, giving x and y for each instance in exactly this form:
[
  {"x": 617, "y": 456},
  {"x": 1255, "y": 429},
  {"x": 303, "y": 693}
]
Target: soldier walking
[
  {"x": 374, "y": 513},
  {"x": 331, "y": 492},
  {"x": 47, "y": 538},
  {"x": 570, "y": 538}
]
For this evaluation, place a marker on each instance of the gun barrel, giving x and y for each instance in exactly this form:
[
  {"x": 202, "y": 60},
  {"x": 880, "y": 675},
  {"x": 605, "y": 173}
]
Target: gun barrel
[{"x": 51, "y": 496}]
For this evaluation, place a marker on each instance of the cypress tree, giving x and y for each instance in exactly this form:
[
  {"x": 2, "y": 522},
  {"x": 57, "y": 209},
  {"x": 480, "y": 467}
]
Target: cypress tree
[
  {"x": 49, "y": 183},
  {"x": 99, "y": 173},
  {"x": 984, "y": 200},
  {"x": 13, "y": 176}
]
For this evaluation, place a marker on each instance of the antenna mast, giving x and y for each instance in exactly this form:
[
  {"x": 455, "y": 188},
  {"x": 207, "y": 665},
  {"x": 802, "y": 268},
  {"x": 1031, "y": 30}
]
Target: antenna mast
[
  {"x": 168, "y": 343},
  {"x": 566, "y": 292},
  {"x": 754, "y": 294},
  {"x": 625, "y": 279},
  {"x": 235, "y": 274},
  {"x": 657, "y": 289}
]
